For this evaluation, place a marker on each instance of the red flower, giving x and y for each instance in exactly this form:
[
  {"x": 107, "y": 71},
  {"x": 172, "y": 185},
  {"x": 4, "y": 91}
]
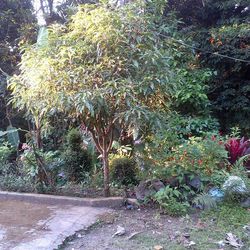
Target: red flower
[{"x": 213, "y": 138}]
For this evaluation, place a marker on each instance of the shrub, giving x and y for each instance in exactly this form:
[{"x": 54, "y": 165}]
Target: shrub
[
  {"x": 205, "y": 201},
  {"x": 170, "y": 200},
  {"x": 237, "y": 148},
  {"x": 184, "y": 126},
  {"x": 12, "y": 182},
  {"x": 77, "y": 161},
  {"x": 74, "y": 139},
  {"x": 76, "y": 164},
  {"x": 5, "y": 152},
  {"x": 198, "y": 157},
  {"x": 175, "y": 208},
  {"x": 123, "y": 170},
  {"x": 51, "y": 161},
  {"x": 14, "y": 178}
]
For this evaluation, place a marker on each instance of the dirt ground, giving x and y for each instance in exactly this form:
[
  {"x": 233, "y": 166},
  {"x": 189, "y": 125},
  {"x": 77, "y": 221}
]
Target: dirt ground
[{"x": 149, "y": 229}]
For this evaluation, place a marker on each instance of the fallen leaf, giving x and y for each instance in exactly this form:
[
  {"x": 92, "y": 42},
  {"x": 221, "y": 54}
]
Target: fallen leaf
[
  {"x": 233, "y": 241},
  {"x": 133, "y": 235},
  {"x": 120, "y": 231}
]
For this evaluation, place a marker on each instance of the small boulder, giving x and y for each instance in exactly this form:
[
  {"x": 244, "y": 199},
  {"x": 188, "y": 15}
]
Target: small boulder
[
  {"x": 234, "y": 184},
  {"x": 195, "y": 183},
  {"x": 158, "y": 247},
  {"x": 157, "y": 184},
  {"x": 147, "y": 188},
  {"x": 246, "y": 203}
]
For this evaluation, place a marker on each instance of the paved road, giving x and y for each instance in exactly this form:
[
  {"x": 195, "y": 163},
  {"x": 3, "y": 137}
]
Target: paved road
[{"x": 32, "y": 226}]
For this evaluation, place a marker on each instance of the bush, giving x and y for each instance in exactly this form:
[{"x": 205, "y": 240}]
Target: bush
[
  {"x": 51, "y": 161},
  {"x": 12, "y": 182},
  {"x": 201, "y": 157},
  {"x": 169, "y": 199},
  {"x": 76, "y": 164},
  {"x": 5, "y": 153},
  {"x": 238, "y": 148},
  {"x": 14, "y": 178},
  {"x": 123, "y": 170},
  {"x": 184, "y": 126},
  {"x": 77, "y": 161},
  {"x": 175, "y": 208},
  {"x": 74, "y": 139}
]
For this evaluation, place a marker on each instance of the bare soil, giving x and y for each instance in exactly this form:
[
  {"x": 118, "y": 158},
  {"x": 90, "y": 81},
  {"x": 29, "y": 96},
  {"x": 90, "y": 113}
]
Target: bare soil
[{"x": 146, "y": 229}]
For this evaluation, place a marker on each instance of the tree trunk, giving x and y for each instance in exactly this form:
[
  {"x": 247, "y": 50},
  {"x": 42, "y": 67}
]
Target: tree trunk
[
  {"x": 38, "y": 134},
  {"x": 106, "y": 173},
  {"x": 38, "y": 138}
]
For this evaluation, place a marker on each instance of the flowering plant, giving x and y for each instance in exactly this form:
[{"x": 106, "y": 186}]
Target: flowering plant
[{"x": 237, "y": 148}]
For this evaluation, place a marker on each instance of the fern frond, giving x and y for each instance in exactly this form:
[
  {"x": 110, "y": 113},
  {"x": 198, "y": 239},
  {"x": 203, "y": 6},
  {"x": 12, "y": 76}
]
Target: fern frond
[
  {"x": 205, "y": 200},
  {"x": 241, "y": 161}
]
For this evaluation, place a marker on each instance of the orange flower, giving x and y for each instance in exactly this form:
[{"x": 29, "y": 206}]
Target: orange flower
[
  {"x": 211, "y": 40},
  {"x": 219, "y": 43}
]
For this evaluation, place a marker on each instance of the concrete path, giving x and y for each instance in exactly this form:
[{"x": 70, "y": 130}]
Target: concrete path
[{"x": 33, "y": 226}]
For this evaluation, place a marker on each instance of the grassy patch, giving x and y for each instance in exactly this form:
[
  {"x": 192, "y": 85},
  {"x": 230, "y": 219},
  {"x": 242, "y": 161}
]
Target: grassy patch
[
  {"x": 226, "y": 218},
  {"x": 229, "y": 216}
]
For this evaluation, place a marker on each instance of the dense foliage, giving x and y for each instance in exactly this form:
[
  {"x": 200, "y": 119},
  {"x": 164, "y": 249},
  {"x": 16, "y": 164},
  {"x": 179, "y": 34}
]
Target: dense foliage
[
  {"x": 119, "y": 78},
  {"x": 135, "y": 95},
  {"x": 16, "y": 27},
  {"x": 219, "y": 32}
]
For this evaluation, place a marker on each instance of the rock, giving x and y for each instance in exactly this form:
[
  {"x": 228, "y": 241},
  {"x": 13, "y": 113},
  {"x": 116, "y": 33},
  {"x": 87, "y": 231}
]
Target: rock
[
  {"x": 147, "y": 188},
  {"x": 195, "y": 183},
  {"x": 171, "y": 181},
  {"x": 216, "y": 194},
  {"x": 158, "y": 247},
  {"x": 157, "y": 184},
  {"x": 246, "y": 203},
  {"x": 130, "y": 207},
  {"x": 235, "y": 184}
]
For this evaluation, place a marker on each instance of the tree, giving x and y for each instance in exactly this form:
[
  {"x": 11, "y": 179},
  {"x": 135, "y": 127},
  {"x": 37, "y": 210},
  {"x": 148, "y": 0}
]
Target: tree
[
  {"x": 50, "y": 11},
  {"x": 221, "y": 28},
  {"x": 108, "y": 68},
  {"x": 16, "y": 26}
]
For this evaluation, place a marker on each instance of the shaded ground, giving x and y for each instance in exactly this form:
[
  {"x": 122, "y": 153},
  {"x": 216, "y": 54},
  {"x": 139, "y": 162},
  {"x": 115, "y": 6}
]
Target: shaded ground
[
  {"x": 150, "y": 228},
  {"x": 25, "y": 225}
]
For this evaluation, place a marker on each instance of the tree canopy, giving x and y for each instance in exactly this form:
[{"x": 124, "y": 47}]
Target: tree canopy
[
  {"x": 16, "y": 27},
  {"x": 219, "y": 32},
  {"x": 106, "y": 68}
]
